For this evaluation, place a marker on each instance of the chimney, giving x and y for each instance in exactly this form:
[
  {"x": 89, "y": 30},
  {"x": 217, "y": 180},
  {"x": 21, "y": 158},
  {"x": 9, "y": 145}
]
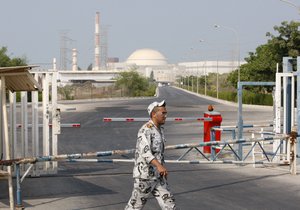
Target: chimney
[
  {"x": 97, "y": 42},
  {"x": 74, "y": 60}
]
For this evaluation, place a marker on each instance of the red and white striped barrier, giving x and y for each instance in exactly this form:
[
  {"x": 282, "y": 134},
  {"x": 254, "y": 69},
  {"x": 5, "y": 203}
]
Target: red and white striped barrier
[
  {"x": 141, "y": 119},
  {"x": 64, "y": 125}
]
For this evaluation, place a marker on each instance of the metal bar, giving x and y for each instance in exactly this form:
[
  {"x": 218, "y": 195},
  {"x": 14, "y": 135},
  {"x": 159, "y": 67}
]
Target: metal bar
[
  {"x": 65, "y": 125},
  {"x": 260, "y": 132},
  {"x": 216, "y": 156},
  {"x": 169, "y": 119},
  {"x": 264, "y": 151},
  {"x": 55, "y": 117},
  {"x": 277, "y": 111},
  {"x": 46, "y": 137},
  {"x": 275, "y": 153},
  {"x": 182, "y": 156},
  {"x": 201, "y": 153},
  {"x": 224, "y": 128},
  {"x": 178, "y": 161},
  {"x": 24, "y": 119},
  {"x": 252, "y": 150},
  {"x": 287, "y": 83},
  {"x": 6, "y": 141},
  {"x": 26, "y": 172},
  {"x": 246, "y": 156},
  {"x": 35, "y": 126},
  {"x": 2, "y": 142},
  {"x": 19, "y": 191},
  {"x": 240, "y": 117},
  {"x": 293, "y": 102},
  {"x": 13, "y": 130},
  {"x": 298, "y": 106},
  {"x": 236, "y": 155}
]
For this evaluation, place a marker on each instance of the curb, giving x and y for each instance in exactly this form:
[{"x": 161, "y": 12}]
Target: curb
[{"x": 221, "y": 101}]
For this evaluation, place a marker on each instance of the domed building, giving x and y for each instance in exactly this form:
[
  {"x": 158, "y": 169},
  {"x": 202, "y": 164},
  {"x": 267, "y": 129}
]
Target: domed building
[
  {"x": 148, "y": 61},
  {"x": 147, "y": 57}
]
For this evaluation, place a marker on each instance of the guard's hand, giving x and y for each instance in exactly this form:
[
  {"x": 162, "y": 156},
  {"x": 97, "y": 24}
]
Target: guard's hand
[{"x": 162, "y": 171}]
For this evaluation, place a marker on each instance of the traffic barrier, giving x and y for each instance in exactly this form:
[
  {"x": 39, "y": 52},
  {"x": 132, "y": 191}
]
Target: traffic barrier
[
  {"x": 179, "y": 161},
  {"x": 141, "y": 119},
  {"x": 224, "y": 128},
  {"x": 64, "y": 125},
  {"x": 131, "y": 151}
]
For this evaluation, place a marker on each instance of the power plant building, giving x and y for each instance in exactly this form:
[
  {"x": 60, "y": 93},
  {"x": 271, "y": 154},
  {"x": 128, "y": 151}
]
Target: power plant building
[{"x": 148, "y": 62}]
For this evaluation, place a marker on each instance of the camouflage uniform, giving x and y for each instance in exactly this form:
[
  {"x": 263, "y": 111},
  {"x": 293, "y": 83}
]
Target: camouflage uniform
[{"x": 147, "y": 181}]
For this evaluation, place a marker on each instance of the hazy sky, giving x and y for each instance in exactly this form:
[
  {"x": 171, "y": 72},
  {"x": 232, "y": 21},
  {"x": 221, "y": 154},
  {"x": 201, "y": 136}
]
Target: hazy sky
[{"x": 32, "y": 28}]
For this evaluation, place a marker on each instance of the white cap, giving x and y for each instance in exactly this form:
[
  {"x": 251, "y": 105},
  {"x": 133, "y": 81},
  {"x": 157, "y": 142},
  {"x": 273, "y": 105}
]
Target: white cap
[{"x": 155, "y": 104}]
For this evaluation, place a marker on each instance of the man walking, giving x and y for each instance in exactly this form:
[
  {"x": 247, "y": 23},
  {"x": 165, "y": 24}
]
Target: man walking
[{"x": 149, "y": 172}]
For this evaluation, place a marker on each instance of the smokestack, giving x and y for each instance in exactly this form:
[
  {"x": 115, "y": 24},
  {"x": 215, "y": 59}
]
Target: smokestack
[
  {"x": 74, "y": 60},
  {"x": 97, "y": 42},
  {"x": 54, "y": 64}
]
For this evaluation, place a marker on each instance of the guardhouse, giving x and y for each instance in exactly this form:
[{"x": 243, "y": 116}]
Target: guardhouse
[{"x": 14, "y": 79}]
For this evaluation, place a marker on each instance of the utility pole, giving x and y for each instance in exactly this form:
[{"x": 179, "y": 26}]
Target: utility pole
[{"x": 65, "y": 41}]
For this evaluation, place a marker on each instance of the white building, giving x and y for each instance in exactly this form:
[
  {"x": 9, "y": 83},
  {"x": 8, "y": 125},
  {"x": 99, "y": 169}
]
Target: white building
[
  {"x": 205, "y": 67},
  {"x": 147, "y": 61}
]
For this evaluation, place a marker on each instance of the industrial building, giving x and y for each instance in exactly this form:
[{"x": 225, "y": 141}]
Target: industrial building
[{"x": 148, "y": 62}]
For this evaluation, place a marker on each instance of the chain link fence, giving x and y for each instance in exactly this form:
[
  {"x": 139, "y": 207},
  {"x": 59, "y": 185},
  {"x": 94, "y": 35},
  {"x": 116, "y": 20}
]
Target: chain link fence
[{"x": 89, "y": 90}]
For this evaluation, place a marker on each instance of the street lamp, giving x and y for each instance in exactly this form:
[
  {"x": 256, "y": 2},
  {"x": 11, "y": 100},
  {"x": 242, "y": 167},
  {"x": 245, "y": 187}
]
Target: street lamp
[
  {"x": 237, "y": 45},
  {"x": 205, "y": 88},
  {"x": 292, "y": 4},
  {"x": 197, "y": 79},
  {"x": 217, "y": 77}
]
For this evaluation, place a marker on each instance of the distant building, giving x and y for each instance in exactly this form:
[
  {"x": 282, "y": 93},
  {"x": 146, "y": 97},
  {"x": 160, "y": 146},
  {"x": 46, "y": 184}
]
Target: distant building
[
  {"x": 149, "y": 62},
  {"x": 146, "y": 61},
  {"x": 199, "y": 68}
]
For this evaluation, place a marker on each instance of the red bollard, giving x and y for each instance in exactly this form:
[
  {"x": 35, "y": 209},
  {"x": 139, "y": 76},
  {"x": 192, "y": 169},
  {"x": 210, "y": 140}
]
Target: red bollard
[{"x": 216, "y": 121}]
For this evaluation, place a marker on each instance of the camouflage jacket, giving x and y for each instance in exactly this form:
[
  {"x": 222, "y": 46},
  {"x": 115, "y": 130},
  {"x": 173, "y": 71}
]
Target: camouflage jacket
[{"x": 150, "y": 144}]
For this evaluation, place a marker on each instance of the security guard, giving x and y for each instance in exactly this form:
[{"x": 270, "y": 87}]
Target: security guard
[{"x": 149, "y": 173}]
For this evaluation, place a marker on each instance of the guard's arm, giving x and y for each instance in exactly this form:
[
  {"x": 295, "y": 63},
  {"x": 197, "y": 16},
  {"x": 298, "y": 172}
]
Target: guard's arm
[{"x": 161, "y": 169}]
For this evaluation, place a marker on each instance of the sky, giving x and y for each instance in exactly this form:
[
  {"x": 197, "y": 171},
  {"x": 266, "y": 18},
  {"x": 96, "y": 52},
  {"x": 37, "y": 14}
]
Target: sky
[{"x": 182, "y": 30}]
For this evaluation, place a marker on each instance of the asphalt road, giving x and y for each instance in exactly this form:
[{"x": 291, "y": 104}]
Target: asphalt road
[{"x": 108, "y": 186}]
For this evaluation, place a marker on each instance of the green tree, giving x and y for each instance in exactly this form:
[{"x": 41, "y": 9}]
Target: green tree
[
  {"x": 6, "y": 61},
  {"x": 151, "y": 79},
  {"x": 134, "y": 84},
  {"x": 261, "y": 65}
]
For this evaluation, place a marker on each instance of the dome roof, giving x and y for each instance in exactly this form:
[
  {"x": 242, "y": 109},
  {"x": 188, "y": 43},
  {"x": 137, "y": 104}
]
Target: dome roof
[{"x": 147, "y": 57}]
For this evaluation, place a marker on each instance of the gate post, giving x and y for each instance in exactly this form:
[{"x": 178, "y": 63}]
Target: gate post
[
  {"x": 240, "y": 119},
  {"x": 46, "y": 139},
  {"x": 287, "y": 98},
  {"x": 293, "y": 151},
  {"x": 298, "y": 104},
  {"x": 35, "y": 128},
  {"x": 55, "y": 115}
]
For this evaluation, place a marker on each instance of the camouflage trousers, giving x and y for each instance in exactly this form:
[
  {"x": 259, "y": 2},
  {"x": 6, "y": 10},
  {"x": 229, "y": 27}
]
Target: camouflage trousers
[{"x": 142, "y": 189}]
